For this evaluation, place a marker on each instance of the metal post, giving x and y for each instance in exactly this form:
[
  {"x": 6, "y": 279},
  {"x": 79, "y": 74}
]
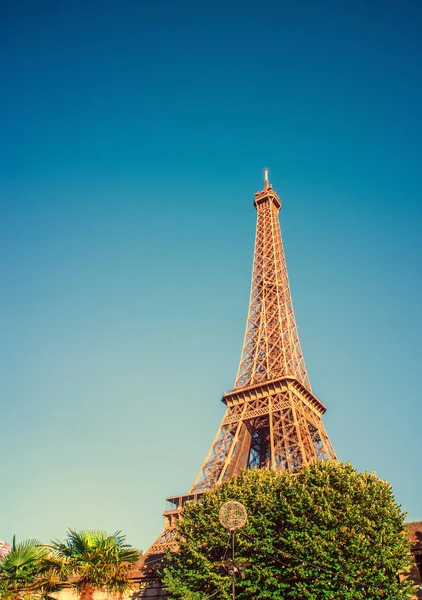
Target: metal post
[
  {"x": 232, "y": 516},
  {"x": 233, "y": 567}
]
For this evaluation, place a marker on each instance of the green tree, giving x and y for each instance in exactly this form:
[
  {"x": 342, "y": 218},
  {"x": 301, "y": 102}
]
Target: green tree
[
  {"x": 21, "y": 569},
  {"x": 93, "y": 560},
  {"x": 328, "y": 532}
]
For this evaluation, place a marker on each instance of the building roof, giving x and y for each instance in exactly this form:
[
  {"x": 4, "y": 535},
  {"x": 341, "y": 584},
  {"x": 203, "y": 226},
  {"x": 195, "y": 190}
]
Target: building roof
[{"x": 415, "y": 534}]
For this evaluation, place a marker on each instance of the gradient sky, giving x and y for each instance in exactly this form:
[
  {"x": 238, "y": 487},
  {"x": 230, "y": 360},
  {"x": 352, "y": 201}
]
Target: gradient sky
[{"x": 132, "y": 139}]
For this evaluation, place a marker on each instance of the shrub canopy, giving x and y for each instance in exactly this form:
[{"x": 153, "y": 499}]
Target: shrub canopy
[{"x": 328, "y": 532}]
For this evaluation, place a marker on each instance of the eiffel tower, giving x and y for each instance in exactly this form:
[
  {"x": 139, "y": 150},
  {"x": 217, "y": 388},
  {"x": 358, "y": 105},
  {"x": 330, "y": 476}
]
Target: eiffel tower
[{"x": 272, "y": 417}]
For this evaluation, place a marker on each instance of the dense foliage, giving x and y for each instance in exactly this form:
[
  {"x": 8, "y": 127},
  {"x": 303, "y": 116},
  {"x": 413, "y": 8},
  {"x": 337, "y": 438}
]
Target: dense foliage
[
  {"x": 327, "y": 533},
  {"x": 85, "y": 560},
  {"x": 94, "y": 560},
  {"x": 21, "y": 569}
]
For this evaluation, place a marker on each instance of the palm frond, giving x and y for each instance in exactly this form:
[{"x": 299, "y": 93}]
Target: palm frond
[
  {"x": 95, "y": 557},
  {"x": 23, "y": 553}
]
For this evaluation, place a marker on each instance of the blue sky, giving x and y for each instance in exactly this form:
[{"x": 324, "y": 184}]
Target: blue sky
[{"x": 132, "y": 139}]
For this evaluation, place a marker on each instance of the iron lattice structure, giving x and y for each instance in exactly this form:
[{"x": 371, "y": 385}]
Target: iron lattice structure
[
  {"x": 271, "y": 348},
  {"x": 272, "y": 417}
]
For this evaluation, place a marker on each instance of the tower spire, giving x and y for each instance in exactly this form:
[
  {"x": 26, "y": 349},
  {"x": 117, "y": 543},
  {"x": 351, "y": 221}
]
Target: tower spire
[
  {"x": 271, "y": 348},
  {"x": 266, "y": 182}
]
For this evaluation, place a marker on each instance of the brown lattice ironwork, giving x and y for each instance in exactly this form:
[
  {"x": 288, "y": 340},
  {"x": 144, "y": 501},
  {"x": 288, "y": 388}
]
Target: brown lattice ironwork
[
  {"x": 272, "y": 418},
  {"x": 271, "y": 347}
]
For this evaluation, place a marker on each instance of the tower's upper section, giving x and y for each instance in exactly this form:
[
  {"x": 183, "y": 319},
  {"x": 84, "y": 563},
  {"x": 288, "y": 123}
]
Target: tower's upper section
[
  {"x": 267, "y": 194},
  {"x": 271, "y": 348}
]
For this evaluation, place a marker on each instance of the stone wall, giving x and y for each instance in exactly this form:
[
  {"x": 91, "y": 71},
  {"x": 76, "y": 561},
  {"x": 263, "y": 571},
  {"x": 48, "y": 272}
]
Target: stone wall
[{"x": 150, "y": 589}]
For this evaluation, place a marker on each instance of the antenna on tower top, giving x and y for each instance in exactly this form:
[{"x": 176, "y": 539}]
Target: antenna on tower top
[{"x": 266, "y": 182}]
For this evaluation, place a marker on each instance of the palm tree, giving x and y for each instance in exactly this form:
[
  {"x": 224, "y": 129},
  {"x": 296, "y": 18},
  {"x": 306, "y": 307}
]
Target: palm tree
[
  {"x": 21, "y": 568},
  {"x": 94, "y": 560}
]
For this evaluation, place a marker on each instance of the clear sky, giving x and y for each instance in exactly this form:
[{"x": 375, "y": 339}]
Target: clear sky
[{"x": 132, "y": 139}]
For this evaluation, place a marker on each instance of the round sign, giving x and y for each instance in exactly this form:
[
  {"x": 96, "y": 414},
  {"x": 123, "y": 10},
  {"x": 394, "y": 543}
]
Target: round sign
[{"x": 233, "y": 515}]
